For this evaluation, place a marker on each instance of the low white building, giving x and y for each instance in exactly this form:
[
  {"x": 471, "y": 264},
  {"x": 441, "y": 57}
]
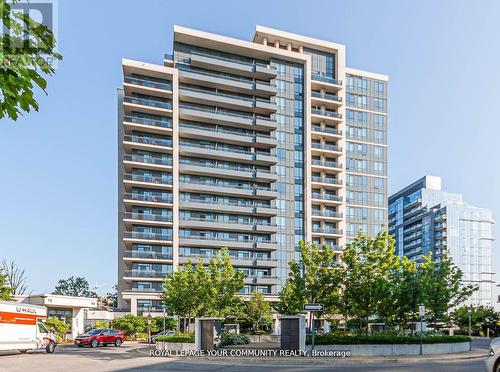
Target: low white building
[{"x": 68, "y": 308}]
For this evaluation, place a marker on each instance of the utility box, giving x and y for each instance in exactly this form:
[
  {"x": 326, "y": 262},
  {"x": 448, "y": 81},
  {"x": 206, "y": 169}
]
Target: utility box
[
  {"x": 207, "y": 333},
  {"x": 293, "y": 333}
]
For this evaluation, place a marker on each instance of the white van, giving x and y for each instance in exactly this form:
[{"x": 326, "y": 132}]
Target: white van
[{"x": 22, "y": 328}]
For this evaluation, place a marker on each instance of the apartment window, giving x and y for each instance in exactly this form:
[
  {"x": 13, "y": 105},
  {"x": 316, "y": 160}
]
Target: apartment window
[
  {"x": 281, "y": 221},
  {"x": 378, "y": 183},
  {"x": 379, "y": 135},
  {"x": 281, "y": 170},
  {"x": 362, "y": 101},
  {"x": 281, "y": 85},
  {"x": 379, "y": 120},
  {"x": 281, "y": 153},
  {"x": 281, "y": 103},
  {"x": 379, "y": 87},
  {"x": 350, "y": 82},
  {"x": 379, "y": 214},
  {"x": 362, "y": 116},
  {"x": 378, "y": 151},
  {"x": 281, "y": 137},
  {"x": 378, "y": 166},
  {"x": 351, "y": 99},
  {"x": 350, "y": 115},
  {"x": 280, "y": 187},
  {"x": 362, "y": 149},
  {"x": 280, "y": 204},
  {"x": 362, "y": 133},
  {"x": 379, "y": 198},
  {"x": 379, "y": 103}
]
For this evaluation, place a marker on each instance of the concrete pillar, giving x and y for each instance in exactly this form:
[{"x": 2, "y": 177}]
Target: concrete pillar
[
  {"x": 264, "y": 41},
  {"x": 77, "y": 324},
  {"x": 133, "y": 306},
  {"x": 301, "y": 49},
  {"x": 277, "y": 44},
  {"x": 289, "y": 46}
]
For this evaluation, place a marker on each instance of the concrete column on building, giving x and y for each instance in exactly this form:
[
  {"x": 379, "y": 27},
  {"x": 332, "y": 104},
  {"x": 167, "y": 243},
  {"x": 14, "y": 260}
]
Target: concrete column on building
[
  {"x": 77, "y": 324},
  {"x": 301, "y": 49},
  {"x": 264, "y": 41},
  {"x": 277, "y": 44},
  {"x": 133, "y": 306},
  {"x": 289, "y": 46}
]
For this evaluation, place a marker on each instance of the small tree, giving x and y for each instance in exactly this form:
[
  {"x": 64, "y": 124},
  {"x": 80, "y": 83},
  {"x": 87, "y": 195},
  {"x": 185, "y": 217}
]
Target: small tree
[
  {"x": 366, "y": 278},
  {"x": 5, "y": 291},
  {"x": 60, "y": 327},
  {"x": 225, "y": 284},
  {"x": 157, "y": 324},
  {"x": 482, "y": 317},
  {"x": 258, "y": 311},
  {"x": 314, "y": 278},
  {"x": 15, "y": 277},
  {"x": 130, "y": 324},
  {"x": 442, "y": 288},
  {"x": 72, "y": 286}
]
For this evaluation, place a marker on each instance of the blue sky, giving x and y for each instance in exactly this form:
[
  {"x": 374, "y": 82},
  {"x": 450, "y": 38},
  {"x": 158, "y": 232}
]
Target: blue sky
[{"x": 58, "y": 189}]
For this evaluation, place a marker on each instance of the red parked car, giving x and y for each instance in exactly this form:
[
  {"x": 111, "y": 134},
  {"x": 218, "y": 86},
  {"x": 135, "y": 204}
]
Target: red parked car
[{"x": 103, "y": 336}]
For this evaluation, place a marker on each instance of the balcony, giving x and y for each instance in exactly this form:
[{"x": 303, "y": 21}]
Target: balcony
[
  {"x": 326, "y": 197},
  {"x": 227, "y": 82},
  {"x": 147, "y": 87},
  {"x": 326, "y": 230},
  {"x": 147, "y": 143},
  {"x": 326, "y": 164},
  {"x": 146, "y": 290},
  {"x": 147, "y": 217},
  {"x": 326, "y": 115},
  {"x": 157, "y": 181},
  {"x": 230, "y": 118},
  {"x": 148, "y": 83},
  {"x": 237, "y": 190},
  {"x": 150, "y": 274},
  {"x": 222, "y": 241},
  {"x": 156, "y": 198},
  {"x": 224, "y": 224},
  {"x": 232, "y": 65},
  {"x": 136, "y": 235},
  {"x": 231, "y": 101},
  {"x": 326, "y": 147},
  {"x": 319, "y": 131},
  {"x": 326, "y": 96},
  {"x": 148, "y": 105},
  {"x": 221, "y": 152},
  {"x": 326, "y": 214},
  {"x": 147, "y": 255},
  {"x": 228, "y": 170},
  {"x": 145, "y": 161},
  {"x": 132, "y": 122},
  {"x": 324, "y": 81},
  {"x": 328, "y": 181},
  {"x": 231, "y": 135}
]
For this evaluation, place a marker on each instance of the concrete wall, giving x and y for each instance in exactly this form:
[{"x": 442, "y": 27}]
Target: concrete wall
[{"x": 397, "y": 349}]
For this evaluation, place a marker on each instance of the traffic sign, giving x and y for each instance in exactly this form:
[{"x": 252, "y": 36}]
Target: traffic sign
[
  {"x": 421, "y": 311},
  {"x": 314, "y": 307}
]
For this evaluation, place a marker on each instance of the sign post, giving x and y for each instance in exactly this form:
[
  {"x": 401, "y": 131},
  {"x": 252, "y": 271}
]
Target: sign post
[
  {"x": 469, "y": 311},
  {"x": 421, "y": 314},
  {"x": 313, "y": 308}
]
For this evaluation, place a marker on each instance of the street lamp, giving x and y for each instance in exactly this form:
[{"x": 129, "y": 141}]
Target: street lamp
[{"x": 469, "y": 311}]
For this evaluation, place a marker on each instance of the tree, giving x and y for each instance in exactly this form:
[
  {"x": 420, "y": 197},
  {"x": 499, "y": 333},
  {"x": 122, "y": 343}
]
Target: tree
[
  {"x": 366, "y": 278},
  {"x": 442, "y": 288},
  {"x": 482, "y": 317},
  {"x": 258, "y": 311},
  {"x": 24, "y": 44},
  {"x": 15, "y": 277},
  {"x": 130, "y": 324},
  {"x": 59, "y": 326},
  {"x": 5, "y": 291},
  {"x": 72, "y": 286},
  {"x": 110, "y": 300},
  {"x": 225, "y": 284},
  {"x": 314, "y": 278},
  {"x": 400, "y": 307}
]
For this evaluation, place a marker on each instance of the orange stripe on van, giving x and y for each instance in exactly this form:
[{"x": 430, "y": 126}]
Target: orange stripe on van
[{"x": 16, "y": 318}]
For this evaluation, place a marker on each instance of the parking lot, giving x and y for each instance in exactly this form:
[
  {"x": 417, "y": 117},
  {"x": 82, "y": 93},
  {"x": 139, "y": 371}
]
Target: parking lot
[{"x": 135, "y": 357}]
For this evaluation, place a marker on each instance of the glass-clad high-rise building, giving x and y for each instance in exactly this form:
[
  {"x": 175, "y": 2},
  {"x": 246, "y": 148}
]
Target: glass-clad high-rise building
[
  {"x": 246, "y": 145},
  {"x": 425, "y": 219}
]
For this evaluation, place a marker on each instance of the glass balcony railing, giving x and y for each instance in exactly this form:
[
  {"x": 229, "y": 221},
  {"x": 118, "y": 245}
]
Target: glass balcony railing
[
  {"x": 147, "y": 159},
  {"x": 224, "y": 130},
  {"x": 326, "y": 79},
  {"x": 235, "y": 203},
  {"x": 326, "y": 130},
  {"x": 235, "y": 60},
  {"x": 147, "y": 290},
  {"x": 146, "y": 235},
  {"x": 232, "y": 256},
  {"x": 328, "y": 113},
  {"x": 148, "y": 255},
  {"x": 220, "y": 111},
  {"x": 326, "y": 213},
  {"x": 147, "y": 217},
  {"x": 326, "y": 197},
  {"x": 324, "y": 146},
  {"x": 153, "y": 197},
  {"x": 148, "y": 83},
  {"x": 168, "y": 57},
  {"x": 226, "y": 238},
  {"x": 163, "y": 123},
  {"x": 326, "y": 230},
  {"x": 326, "y": 163},
  {"x": 330, "y": 180},
  {"x": 223, "y": 221},
  {"x": 148, "y": 102},
  {"x": 145, "y": 274},
  {"x": 148, "y": 140},
  {"x": 228, "y": 95},
  {"x": 148, "y": 178},
  {"x": 223, "y": 166},
  {"x": 328, "y": 96},
  {"x": 261, "y": 276},
  {"x": 226, "y": 184},
  {"x": 188, "y": 68}
]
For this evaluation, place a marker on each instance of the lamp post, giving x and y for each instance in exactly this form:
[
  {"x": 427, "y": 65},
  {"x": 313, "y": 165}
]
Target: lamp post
[
  {"x": 469, "y": 311},
  {"x": 164, "y": 311}
]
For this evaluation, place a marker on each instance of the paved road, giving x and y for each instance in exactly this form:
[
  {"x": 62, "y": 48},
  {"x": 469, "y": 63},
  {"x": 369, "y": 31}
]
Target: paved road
[{"x": 135, "y": 357}]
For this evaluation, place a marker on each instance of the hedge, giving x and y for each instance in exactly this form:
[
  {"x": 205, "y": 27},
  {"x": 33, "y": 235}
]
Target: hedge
[
  {"x": 182, "y": 338},
  {"x": 332, "y": 339},
  {"x": 234, "y": 339}
]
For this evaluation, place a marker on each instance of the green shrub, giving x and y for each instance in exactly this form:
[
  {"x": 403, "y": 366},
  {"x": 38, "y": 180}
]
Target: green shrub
[
  {"x": 183, "y": 337},
  {"x": 234, "y": 339},
  {"x": 141, "y": 336},
  {"x": 332, "y": 339}
]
